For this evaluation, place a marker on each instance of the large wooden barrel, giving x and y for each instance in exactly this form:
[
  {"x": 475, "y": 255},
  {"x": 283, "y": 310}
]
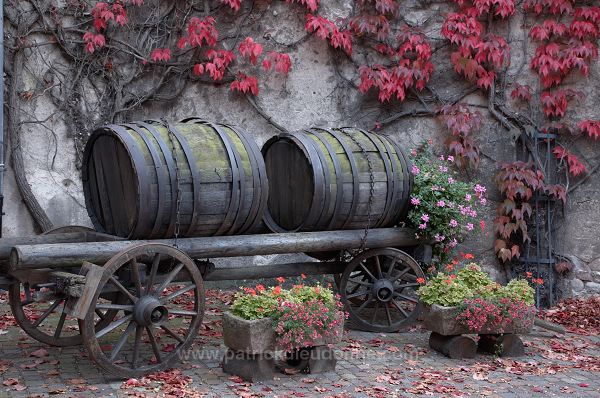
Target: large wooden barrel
[
  {"x": 138, "y": 177},
  {"x": 322, "y": 179}
]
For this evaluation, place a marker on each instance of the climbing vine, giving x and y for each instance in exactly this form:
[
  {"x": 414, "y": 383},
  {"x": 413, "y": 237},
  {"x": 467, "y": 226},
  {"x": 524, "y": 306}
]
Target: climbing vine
[{"x": 118, "y": 56}]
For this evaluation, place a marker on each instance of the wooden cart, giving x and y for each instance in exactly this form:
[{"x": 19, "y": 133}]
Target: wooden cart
[{"x": 137, "y": 305}]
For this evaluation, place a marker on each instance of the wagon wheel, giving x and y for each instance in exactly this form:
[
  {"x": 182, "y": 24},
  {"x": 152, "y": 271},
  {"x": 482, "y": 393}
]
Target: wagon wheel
[
  {"x": 378, "y": 289},
  {"x": 158, "y": 320},
  {"x": 40, "y": 312}
]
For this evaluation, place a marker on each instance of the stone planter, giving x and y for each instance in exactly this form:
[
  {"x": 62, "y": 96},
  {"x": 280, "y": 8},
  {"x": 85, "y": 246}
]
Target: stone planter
[
  {"x": 252, "y": 347},
  {"x": 442, "y": 320},
  {"x": 448, "y": 334}
]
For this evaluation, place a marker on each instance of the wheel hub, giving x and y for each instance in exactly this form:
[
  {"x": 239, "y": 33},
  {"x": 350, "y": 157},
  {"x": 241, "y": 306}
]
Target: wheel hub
[
  {"x": 148, "y": 311},
  {"x": 384, "y": 290}
]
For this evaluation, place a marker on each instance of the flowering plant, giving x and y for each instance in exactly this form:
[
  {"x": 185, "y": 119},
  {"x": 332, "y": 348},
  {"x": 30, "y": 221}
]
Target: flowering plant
[
  {"x": 444, "y": 209},
  {"x": 301, "y": 315},
  {"x": 480, "y": 301}
]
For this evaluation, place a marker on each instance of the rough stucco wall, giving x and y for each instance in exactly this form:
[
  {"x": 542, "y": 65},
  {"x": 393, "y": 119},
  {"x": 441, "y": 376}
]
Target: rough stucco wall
[{"x": 313, "y": 96}]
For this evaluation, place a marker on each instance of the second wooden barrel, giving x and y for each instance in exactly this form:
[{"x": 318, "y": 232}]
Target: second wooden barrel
[
  {"x": 141, "y": 179},
  {"x": 324, "y": 179}
]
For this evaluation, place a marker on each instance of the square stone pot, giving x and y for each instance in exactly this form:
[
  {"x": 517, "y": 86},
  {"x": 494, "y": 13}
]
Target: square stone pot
[
  {"x": 252, "y": 337},
  {"x": 258, "y": 336},
  {"x": 442, "y": 320}
]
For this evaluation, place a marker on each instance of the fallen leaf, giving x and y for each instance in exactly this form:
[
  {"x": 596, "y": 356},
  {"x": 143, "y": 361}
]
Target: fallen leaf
[{"x": 40, "y": 353}]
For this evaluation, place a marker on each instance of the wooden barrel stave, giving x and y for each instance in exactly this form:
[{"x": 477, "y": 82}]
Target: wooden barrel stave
[
  {"x": 333, "y": 170},
  {"x": 222, "y": 182}
]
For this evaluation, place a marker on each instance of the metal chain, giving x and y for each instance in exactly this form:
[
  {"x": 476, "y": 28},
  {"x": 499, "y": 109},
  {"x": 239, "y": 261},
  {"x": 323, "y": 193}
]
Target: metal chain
[
  {"x": 178, "y": 186},
  {"x": 363, "y": 241}
]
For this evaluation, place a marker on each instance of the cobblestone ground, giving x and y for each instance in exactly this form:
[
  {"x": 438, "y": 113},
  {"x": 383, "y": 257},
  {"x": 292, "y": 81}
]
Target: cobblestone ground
[{"x": 369, "y": 365}]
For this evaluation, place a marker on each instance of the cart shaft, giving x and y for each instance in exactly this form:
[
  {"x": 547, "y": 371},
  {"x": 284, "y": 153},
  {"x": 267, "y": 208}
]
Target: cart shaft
[{"x": 74, "y": 254}]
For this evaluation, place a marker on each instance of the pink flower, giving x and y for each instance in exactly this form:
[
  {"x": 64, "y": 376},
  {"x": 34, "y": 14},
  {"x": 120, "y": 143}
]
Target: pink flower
[
  {"x": 415, "y": 201},
  {"x": 479, "y": 189},
  {"x": 422, "y": 226},
  {"x": 469, "y": 227},
  {"x": 441, "y": 203},
  {"x": 415, "y": 170},
  {"x": 468, "y": 197},
  {"x": 439, "y": 238},
  {"x": 413, "y": 152},
  {"x": 443, "y": 169},
  {"x": 451, "y": 180},
  {"x": 453, "y": 243},
  {"x": 453, "y": 223},
  {"x": 441, "y": 157},
  {"x": 450, "y": 158},
  {"x": 483, "y": 201},
  {"x": 425, "y": 217}
]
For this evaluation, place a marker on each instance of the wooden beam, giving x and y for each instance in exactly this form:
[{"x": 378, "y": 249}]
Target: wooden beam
[
  {"x": 274, "y": 270},
  {"x": 6, "y": 244},
  {"x": 74, "y": 254}
]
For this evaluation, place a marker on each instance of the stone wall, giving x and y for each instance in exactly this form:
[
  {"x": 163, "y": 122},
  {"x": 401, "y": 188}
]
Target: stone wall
[{"x": 315, "y": 94}]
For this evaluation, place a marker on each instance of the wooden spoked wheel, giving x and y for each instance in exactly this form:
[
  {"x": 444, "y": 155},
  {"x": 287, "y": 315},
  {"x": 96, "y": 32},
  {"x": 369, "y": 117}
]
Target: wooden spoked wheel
[
  {"x": 40, "y": 312},
  {"x": 159, "y": 317},
  {"x": 378, "y": 289}
]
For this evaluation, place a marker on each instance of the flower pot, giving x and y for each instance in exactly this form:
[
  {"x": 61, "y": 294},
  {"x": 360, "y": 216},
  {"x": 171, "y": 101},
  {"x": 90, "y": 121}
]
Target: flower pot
[
  {"x": 258, "y": 336},
  {"x": 252, "y": 346},
  {"x": 252, "y": 337},
  {"x": 443, "y": 320}
]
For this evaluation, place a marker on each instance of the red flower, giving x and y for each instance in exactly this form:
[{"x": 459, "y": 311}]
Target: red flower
[
  {"x": 302, "y": 276},
  {"x": 529, "y": 275},
  {"x": 420, "y": 280},
  {"x": 277, "y": 290},
  {"x": 260, "y": 288},
  {"x": 280, "y": 279},
  {"x": 469, "y": 256}
]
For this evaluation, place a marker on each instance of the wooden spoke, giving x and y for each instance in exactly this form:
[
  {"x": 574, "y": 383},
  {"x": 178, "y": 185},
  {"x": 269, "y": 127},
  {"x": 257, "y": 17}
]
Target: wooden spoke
[
  {"x": 361, "y": 282},
  {"x": 400, "y": 308},
  {"x": 119, "y": 345},
  {"x": 113, "y": 326},
  {"x": 177, "y": 293},
  {"x": 122, "y": 289},
  {"x": 139, "y": 332},
  {"x": 396, "y": 277},
  {"x": 61, "y": 324},
  {"x": 358, "y": 294},
  {"x": 378, "y": 268},
  {"x": 50, "y": 310},
  {"x": 170, "y": 277},
  {"x": 171, "y": 333},
  {"x": 153, "y": 271},
  {"x": 134, "y": 272},
  {"x": 110, "y": 306},
  {"x": 393, "y": 262},
  {"x": 366, "y": 270},
  {"x": 363, "y": 305},
  {"x": 152, "y": 339},
  {"x": 407, "y": 298},
  {"x": 375, "y": 312},
  {"x": 388, "y": 315},
  {"x": 406, "y": 285},
  {"x": 182, "y": 312}
]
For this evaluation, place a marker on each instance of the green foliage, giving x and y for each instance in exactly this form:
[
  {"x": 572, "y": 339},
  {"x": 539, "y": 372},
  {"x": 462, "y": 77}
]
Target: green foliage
[
  {"x": 259, "y": 302},
  {"x": 473, "y": 277},
  {"x": 444, "y": 290},
  {"x": 471, "y": 282},
  {"x": 300, "y": 315},
  {"x": 444, "y": 209}
]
